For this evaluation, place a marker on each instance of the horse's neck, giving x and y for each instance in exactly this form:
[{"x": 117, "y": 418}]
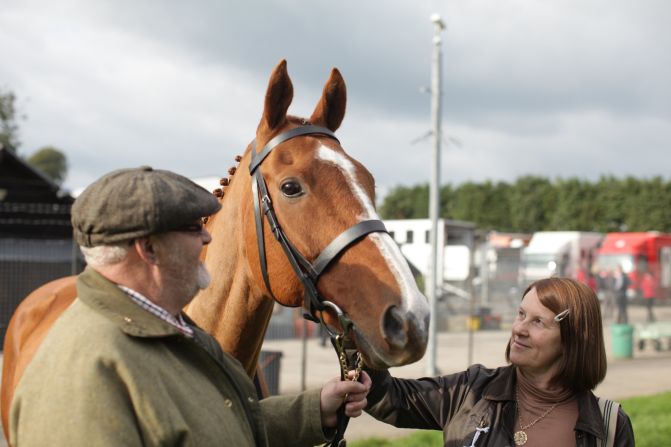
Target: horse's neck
[
  {"x": 231, "y": 308},
  {"x": 233, "y": 315}
]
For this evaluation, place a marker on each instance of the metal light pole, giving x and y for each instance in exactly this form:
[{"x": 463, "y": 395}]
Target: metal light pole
[{"x": 434, "y": 192}]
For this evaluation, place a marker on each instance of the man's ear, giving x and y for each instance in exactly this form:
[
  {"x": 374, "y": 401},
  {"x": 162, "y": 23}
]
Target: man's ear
[{"x": 146, "y": 250}]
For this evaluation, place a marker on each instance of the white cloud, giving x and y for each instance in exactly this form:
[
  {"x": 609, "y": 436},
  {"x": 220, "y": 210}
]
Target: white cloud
[{"x": 549, "y": 88}]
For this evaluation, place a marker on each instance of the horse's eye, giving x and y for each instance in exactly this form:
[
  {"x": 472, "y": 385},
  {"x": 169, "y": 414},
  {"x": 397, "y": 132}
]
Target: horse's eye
[{"x": 291, "y": 188}]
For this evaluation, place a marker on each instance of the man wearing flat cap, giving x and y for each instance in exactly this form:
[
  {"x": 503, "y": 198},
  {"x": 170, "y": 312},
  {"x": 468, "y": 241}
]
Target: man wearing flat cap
[{"x": 123, "y": 366}]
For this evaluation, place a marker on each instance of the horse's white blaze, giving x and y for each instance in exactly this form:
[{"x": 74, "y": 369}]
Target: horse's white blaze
[
  {"x": 413, "y": 301},
  {"x": 349, "y": 171}
]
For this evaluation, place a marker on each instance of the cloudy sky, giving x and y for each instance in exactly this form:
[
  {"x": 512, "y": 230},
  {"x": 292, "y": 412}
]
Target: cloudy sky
[{"x": 554, "y": 88}]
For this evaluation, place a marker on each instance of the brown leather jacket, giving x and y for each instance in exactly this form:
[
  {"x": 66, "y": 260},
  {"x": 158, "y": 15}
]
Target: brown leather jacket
[{"x": 478, "y": 398}]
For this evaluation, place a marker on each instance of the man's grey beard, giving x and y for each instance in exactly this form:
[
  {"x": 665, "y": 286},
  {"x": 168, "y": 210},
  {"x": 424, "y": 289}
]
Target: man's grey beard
[{"x": 203, "y": 279}]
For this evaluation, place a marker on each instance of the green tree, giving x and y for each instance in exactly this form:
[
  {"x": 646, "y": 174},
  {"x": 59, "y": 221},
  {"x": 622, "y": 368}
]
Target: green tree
[
  {"x": 666, "y": 194},
  {"x": 499, "y": 205},
  {"x": 485, "y": 204},
  {"x": 406, "y": 203},
  {"x": 576, "y": 208},
  {"x": 531, "y": 200},
  {"x": 51, "y": 162},
  {"x": 9, "y": 127},
  {"x": 535, "y": 203},
  {"x": 609, "y": 204},
  {"x": 648, "y": 205},
  {"x": 447, "y": 198}
]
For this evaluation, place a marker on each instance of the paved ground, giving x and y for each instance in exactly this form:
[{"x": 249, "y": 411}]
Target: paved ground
[{"x": 648, "y": 372}]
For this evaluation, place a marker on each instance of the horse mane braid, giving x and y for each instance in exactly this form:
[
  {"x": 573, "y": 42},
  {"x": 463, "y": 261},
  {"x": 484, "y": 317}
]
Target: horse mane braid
[{"x": 224, "y": 181}]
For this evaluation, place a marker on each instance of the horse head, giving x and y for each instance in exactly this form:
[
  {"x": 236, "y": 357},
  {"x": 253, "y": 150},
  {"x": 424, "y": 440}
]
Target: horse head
[{"x": 318, "y": 192}]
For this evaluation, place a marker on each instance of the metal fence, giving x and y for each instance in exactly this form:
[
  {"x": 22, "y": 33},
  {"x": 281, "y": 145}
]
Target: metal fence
[{"x": 26, "y": 264}]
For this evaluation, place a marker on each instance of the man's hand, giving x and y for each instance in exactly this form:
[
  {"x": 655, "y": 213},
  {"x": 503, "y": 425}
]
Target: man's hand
[{"x": 337, "y": 391}]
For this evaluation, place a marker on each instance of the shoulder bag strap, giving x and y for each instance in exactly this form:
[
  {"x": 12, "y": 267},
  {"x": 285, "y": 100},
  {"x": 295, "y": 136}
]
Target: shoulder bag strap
[{"x": 609, "y": 410}]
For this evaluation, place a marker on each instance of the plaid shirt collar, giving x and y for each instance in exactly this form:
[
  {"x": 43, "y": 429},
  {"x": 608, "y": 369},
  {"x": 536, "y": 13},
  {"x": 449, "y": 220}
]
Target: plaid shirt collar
[{"x": 158, "y": 311}]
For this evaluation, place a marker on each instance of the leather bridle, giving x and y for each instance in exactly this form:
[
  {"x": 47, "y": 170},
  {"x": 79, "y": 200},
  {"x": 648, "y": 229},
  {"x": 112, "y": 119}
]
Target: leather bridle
[{"x": 309, "y": 272}]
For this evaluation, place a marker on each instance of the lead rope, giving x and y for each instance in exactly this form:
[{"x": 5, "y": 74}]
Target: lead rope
[{"x": 338, "y": 342}]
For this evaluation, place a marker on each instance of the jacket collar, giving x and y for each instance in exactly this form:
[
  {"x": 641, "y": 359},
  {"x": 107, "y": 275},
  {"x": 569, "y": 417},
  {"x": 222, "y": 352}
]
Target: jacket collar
[
  {"x": 105, "y": 297},
  {"x": 502, "y": 386},
  {"x": 590, "y": 420}
]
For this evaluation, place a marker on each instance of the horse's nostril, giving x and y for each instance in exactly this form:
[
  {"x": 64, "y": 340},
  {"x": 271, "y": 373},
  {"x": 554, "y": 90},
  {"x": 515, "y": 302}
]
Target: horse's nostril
[{"x": 394, "y": 328}]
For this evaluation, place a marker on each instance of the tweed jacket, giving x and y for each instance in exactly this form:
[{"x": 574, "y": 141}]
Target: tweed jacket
[
  {"x": 478, "y": 398},
  {"x": 110, "y": 373}
]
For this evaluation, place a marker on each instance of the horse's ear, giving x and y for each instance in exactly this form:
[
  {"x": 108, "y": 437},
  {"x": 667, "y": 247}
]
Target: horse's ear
[
  {"x": 330, "y": 109},
  {"x": 278, "y": 98}
]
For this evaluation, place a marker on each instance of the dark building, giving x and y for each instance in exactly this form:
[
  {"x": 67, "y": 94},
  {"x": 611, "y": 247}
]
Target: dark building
[{"x": 36, "y": 243}]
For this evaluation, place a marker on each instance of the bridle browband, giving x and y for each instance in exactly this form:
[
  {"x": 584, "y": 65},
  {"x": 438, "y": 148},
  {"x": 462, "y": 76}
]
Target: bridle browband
[{"x": 308, "y": 273}]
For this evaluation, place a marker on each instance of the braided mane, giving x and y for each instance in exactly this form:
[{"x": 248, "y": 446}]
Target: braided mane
[{"x": 224, "y": 182}]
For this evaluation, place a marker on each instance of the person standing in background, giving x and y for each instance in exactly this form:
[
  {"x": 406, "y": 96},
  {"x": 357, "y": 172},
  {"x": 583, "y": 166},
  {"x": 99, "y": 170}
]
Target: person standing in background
[
  {"x": 649, "y": 294},
  {"x": 606, "y": 293},
  {"x": 620, "y": 285}
]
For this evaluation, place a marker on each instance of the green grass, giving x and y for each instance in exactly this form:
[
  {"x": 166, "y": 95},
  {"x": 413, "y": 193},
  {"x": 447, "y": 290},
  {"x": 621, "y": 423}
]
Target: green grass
[
  {"x": 650, "y": 417},
  {"x": 419, "y": 439}
]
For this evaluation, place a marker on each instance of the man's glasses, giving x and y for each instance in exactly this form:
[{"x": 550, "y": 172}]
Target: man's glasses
[{"x": 196, "y": 227}]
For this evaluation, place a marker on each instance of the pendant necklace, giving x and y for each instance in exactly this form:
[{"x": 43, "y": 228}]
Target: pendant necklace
[{"x": 520, "y": 437}]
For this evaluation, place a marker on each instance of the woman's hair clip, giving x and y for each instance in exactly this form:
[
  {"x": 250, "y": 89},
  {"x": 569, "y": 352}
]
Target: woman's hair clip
[{"x": 561, "y": 315}]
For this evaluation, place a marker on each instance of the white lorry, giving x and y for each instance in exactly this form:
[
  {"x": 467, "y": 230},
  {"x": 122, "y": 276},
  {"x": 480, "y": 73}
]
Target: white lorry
[
  {"x": 559, "y": 253},
  {"x": 455, "y": 242}
]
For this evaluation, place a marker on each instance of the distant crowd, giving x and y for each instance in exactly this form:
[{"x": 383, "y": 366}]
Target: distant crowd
[{"x": 613, "y": 288}]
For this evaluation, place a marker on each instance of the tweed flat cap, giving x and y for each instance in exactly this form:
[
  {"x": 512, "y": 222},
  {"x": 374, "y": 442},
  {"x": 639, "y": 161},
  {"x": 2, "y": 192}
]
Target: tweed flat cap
[{"x": 132, "y": 203}]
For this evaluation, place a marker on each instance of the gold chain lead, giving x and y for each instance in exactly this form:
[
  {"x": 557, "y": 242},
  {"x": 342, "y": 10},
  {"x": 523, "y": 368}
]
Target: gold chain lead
[{"x": 344, "y": 364}]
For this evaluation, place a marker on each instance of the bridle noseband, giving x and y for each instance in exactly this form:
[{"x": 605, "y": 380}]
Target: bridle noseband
[{"x": 308, "y": 273}]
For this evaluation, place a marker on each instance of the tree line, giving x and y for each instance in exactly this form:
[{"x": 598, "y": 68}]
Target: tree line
[
  {"x": 49, "y": 160},
  {"x": 535, "y": 203}
]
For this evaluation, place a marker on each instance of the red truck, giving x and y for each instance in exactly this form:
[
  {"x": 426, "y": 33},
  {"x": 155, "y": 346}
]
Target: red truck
[{"x": 638, "y": 253}]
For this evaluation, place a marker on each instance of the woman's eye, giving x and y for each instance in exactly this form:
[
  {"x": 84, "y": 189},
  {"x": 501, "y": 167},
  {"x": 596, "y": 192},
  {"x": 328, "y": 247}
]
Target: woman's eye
[{"x": 291, "y": 188}]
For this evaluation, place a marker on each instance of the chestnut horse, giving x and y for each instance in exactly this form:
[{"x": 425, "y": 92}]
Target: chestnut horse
[{"x": 317, "y": 194}]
